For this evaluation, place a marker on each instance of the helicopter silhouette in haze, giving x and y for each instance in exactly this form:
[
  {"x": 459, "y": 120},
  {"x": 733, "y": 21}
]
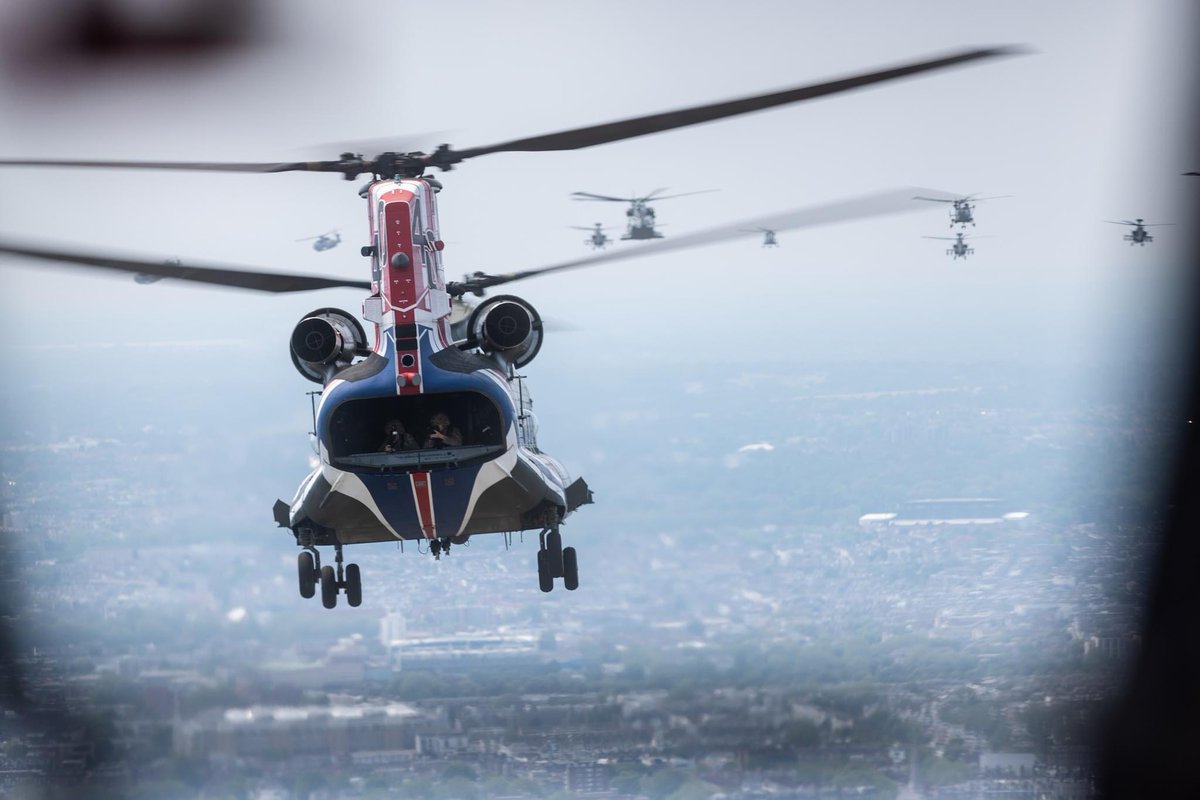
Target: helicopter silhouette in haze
[
  {"x": 1139, "y": 235},
  {"x": 326, "y": 241},
  {"x": 640, "y": 218},
  {"x": 599, "y": 239},
  {"x": 960, "y": 248},
  {"x": 768, "y": 236},
  {"x": 425, "y": 431},
  {"x": 962, "y": 210}
]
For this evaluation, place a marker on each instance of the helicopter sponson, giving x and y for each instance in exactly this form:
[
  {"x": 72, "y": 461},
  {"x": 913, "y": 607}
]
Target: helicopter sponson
[
  {"x": 325, "y": 342},
  {"x": 506, "y": 327}
]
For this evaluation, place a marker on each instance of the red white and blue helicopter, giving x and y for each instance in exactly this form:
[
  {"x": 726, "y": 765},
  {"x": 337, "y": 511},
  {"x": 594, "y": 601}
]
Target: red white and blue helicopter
[{"x": 425, "y": 429}]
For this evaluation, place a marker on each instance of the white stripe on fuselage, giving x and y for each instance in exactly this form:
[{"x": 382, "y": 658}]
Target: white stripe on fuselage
[{"x": 351, "y": 485}]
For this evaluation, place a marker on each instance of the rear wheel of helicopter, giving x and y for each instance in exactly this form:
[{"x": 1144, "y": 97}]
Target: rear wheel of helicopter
[
  {"x": 353, "y": 585},
  {"x": 554, "y": 553},
  {"x": 570, "y": 569},
  {"x": 545, "y": 579},
  {"x": 306, "y": 570},
  {"x": 329, "y": 587}
]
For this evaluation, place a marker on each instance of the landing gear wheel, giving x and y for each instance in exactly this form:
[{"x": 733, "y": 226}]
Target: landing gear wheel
[
  {"x": 307, "y": 572},
  {"x": 329, "y": 587},
  {"x": 545, "y": 579},
  {"x": 554, "y": 554},
  {"x": 570, "y": 569},
  {"x": 353, "y": 585}
]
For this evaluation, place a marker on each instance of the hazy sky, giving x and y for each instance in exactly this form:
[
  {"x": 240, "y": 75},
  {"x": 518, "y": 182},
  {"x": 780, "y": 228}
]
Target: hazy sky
[{"x": 1086, "y": 129}]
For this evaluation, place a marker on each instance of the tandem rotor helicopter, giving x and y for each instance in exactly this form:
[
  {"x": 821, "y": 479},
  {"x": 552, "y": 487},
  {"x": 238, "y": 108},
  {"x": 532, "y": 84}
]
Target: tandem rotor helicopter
[
  {"x": 640, "y": 220},
  {"x": 425, "y": 430}
]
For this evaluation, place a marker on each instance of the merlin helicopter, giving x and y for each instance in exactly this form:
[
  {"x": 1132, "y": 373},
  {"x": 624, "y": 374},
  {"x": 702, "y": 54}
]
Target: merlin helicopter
[
  {"x": 1139, "y": 235},
  {"x": 960, "y": 248},
  {"x": 326, "y": 241},
  {"x": 425, "y": 430},
  {"x": 962, "y": 209},
  {"x": 639, "y": 217},
  {"x": 768, "y": 236},
  {"x": 599, "y": 239}
]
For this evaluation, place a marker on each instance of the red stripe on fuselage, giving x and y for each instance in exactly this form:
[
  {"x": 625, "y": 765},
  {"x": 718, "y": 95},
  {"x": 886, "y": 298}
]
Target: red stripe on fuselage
[{"x": 423, "y": 495}]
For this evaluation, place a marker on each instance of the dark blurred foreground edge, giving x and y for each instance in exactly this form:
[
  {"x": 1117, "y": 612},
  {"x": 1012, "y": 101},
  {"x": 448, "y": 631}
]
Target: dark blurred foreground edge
[{"x": 1150, "y": 745}]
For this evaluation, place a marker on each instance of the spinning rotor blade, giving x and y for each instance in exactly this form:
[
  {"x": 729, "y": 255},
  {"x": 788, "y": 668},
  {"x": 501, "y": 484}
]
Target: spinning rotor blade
[
  {"x": 976, "y": 199},
  {"x": 871, "y": 205},
  {"x": 444, "y": 157},
  {"x": 203, "y": 166},
  {"x": 938, "y": 199},
  {"x": 590, "y": 196},
  {"x": 685, "y": 194},
  {"x": 656, "y": 123},
  {"x": 947, "y": 238},
  {"x": 1122, "y": 222},
  {"x": 236, "y": 277}
]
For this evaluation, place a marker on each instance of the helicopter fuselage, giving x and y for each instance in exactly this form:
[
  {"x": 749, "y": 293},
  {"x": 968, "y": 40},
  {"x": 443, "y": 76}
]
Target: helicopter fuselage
[{"x": 488, "y": 476}]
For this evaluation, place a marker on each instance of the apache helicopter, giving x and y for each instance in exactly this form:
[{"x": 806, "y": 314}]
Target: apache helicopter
[
  {"x": 639, "y": 216},
  {"x": 959, "y": 249},
  {"x": 427, "y": 432},
  {"x": 768, "y": 236},
  {"x": 599, "y": 239},
  {"x": 1139, "y": 235},
  {"x": 326, "y": 241},
  {"x": 963, "y": 208}
]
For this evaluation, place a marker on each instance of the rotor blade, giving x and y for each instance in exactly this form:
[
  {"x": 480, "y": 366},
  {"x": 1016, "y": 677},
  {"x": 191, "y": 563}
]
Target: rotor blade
[
  {"x": 652, "y": 195},
  {"x": 947, "y": 238},
  {"x": 1122, "y": 222},
  {"x": 656, "y": 123},
  {"x": 202, "y": 166},
  {"x": 236, "y": 277},
  {"x": 939, "y": 199},
  {"x": 890, "y": 202},
  {"x": 1191, "y": 173},
  {"x": 590, "y": 196},
  {"x": 685, "y": 194},
  {"x": 1157, "y": 224},
  {"x": 975, "y": 199}
]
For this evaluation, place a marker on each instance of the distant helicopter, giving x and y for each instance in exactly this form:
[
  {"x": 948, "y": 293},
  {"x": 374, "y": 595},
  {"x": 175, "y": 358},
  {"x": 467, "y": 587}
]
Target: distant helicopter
[
  {"x": 599, "y": 239},
  {"x": 768, "y": 236},
  {"x": 640, "y": 216},
  {"x": 963, "y": 208},
  {"x": 426, "y": 432},
  {"x": 1139, "y": 235},
  {"x": 960, "y": 248},
  {"x": 326, "y": 241}
]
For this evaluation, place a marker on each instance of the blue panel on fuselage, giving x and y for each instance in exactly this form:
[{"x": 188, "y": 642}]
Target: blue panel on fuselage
[{"x": 450, "y": 487}]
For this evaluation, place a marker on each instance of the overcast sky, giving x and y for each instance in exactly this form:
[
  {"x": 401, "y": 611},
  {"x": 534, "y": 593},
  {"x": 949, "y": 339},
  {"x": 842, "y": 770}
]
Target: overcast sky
[{"x": 1087, "y": 128}]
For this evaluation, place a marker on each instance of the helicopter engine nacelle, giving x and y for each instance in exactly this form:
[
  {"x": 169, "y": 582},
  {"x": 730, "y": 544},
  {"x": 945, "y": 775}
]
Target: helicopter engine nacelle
[
  {"x": 508, "y": 327},
  {"x": 325, "y": 342}
]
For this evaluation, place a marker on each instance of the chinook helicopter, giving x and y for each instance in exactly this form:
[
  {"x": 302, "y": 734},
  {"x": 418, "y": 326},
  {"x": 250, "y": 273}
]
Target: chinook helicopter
[
  {"x": 960, "y": 248},
  {"x": 425, "y": 431},
  {"x": 962, "y": 210},
  {"x": 640, "y": 219},
  {"x": 1139, "y": 235},
  {"x": 599, "y": 239}
]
